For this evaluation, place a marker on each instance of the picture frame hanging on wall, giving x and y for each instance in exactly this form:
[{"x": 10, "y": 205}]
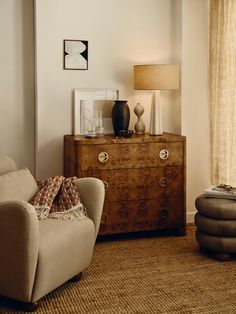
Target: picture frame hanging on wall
[
  {"x": 87, "y": 102},
  {"x": 75, "y": 54}
]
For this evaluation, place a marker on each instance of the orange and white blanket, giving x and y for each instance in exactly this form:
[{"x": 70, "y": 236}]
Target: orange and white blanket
[{"x": 58, "y": 197}]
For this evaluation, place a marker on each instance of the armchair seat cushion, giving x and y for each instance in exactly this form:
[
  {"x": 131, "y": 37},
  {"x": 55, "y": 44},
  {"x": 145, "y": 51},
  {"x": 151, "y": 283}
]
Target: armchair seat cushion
[{"x": 65, "y": 248}]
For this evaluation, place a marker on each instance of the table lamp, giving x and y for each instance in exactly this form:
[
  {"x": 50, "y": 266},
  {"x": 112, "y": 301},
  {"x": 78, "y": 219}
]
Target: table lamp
[{"x": 156, "y": 77}]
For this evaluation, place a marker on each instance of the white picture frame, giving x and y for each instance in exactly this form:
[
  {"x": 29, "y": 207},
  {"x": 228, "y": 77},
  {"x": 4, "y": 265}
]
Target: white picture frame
[{"x": 86, "y": 102}]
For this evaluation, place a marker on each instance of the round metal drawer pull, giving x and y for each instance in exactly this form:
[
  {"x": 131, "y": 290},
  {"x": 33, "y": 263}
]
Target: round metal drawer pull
[
  {"x": 164, "y": 213},
  {"x": 105, "y": 184},
  {"x": 163, "y": 182},
  {"x": 104, "y": 218},
  {"x": 164, "y": 154},
  {"x": 103, "y": 157}
]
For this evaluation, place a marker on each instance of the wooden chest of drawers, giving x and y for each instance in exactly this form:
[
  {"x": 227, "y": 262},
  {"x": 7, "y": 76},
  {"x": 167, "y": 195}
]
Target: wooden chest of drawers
[{"x": 144, "y": 178}]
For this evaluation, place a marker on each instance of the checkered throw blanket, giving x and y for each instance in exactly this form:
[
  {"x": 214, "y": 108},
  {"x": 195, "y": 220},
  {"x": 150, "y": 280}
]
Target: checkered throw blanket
[{"x": 58, "y": 197}]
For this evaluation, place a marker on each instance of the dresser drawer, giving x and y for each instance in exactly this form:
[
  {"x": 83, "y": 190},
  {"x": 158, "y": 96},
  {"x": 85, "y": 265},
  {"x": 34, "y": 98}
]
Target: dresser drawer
[
  {"x": 131, "y": 216},
  {"x": 140, "y": 183},
  {"x": 131, "y": 155}
]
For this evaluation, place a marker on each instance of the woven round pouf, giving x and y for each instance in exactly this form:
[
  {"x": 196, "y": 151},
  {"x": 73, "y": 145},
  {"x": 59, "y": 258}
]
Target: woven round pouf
[{"x": 216, "y": 226}]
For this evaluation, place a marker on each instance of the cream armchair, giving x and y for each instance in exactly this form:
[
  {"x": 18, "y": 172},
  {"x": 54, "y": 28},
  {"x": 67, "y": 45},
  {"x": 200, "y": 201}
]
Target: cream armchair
[{"x": 37, "y": 256}]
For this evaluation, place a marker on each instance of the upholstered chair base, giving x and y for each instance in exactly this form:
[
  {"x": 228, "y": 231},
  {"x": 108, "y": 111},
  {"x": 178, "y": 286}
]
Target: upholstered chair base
[
  {"x": 76, "y": 277},
  {"x": 30, "y": 307},
  {"x": 223, "y": 257}
]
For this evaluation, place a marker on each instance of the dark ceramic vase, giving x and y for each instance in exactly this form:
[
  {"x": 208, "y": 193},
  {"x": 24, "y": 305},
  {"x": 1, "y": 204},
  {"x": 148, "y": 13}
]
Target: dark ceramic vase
[{"x": 120, "y": 116}]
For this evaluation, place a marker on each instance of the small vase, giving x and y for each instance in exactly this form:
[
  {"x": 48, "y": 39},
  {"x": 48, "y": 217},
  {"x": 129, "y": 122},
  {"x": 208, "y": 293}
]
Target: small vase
[
  {"x": 120, "y": 116},
  {"x": 139, "y": 125}
]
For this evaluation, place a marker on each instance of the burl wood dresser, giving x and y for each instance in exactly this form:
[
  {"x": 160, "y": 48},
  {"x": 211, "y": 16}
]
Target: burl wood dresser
[{"x": 144, "y": 178}]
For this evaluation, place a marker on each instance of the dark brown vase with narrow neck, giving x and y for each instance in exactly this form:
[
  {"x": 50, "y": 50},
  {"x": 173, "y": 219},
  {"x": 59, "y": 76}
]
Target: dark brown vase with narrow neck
[{"x": 120, "y": 117}]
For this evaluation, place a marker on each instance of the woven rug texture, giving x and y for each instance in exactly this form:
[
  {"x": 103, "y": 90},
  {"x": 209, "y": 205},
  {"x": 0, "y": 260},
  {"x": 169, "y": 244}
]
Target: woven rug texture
[{"x": 164, "y": 274}]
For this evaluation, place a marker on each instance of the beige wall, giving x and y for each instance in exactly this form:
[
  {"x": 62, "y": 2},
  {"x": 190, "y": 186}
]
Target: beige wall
[
  {"x": 120, "y": 34},
  {"x": 17, "y": 81},
  {"x": 194, "y": 97}
]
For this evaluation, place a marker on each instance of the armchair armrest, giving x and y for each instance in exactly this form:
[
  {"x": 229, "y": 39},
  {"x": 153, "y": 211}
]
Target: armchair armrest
[
  {"x": 19, "y": 245},
  {"x": 92, "y": 194}
]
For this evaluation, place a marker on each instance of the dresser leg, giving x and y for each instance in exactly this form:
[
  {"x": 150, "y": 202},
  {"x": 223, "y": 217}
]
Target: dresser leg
[
  {"x": 181, "y": 231},
  {"x": 223, "y": 257}
]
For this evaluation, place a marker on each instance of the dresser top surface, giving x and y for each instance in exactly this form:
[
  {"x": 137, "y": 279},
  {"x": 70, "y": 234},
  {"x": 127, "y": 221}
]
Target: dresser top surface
[{"x": 111, "y": 139}]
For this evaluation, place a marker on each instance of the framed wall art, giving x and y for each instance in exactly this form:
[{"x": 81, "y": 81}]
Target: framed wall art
[
  {"x": 87, "y": 103},
  {"x": 75, "y": 54}
]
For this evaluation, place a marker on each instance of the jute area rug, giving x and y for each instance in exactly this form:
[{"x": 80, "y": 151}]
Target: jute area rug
[{"x": 165, "y": 274}]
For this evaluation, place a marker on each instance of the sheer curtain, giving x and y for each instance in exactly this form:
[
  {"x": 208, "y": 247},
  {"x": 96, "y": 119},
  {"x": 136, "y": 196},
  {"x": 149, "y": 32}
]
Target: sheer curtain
[{"x": 222, "y": 74}]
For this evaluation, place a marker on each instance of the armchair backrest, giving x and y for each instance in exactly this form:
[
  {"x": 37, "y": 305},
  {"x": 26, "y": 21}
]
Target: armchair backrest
[{"x": 7, "y": 164}]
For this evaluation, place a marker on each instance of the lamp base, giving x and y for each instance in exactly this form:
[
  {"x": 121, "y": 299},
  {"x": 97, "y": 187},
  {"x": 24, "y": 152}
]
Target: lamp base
[{"x": 155, "y": 117}]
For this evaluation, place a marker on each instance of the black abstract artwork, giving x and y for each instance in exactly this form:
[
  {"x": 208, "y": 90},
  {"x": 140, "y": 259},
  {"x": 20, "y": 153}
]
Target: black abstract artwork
[{"x": 75, "y": 54}]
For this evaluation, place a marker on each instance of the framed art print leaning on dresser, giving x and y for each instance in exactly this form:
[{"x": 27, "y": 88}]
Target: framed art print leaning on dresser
[{"x": 144, "y": 178}]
